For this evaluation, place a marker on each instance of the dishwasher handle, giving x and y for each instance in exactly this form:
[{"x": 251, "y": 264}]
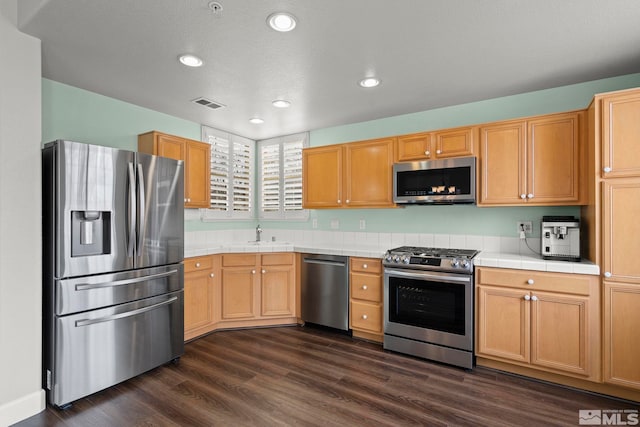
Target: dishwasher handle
[{"x": 324, "y": 262}]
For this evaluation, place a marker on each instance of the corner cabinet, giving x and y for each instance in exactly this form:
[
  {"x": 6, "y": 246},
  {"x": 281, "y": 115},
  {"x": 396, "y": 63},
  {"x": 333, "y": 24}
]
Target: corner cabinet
[
  {"x": 536, "y": 161},
  {"x": 357, "y": 175},
  {"x": 366, "y": 312},
  {"x": 442, "y": 144},
  {"x": 196, "y": 156},
  {"x": 544, "y": 321}
]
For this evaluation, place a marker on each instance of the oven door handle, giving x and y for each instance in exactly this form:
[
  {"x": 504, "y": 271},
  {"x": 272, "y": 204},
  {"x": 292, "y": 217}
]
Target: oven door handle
[{"x": 446, "y": 278}]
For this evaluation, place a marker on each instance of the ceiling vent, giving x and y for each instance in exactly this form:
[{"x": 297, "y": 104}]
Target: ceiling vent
[{"x": 208, "y": 103}]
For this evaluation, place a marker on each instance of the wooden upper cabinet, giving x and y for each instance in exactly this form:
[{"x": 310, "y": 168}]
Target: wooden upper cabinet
[
  {"x": 457, "y": 142},
  {"x": 368, "y": 173},
  {"x": 357, "y": 174},
  {"x": 553, "y": 159},
  {"x": 538, "y": 161},
  {"x": 197, "y": 163},
  {"x": 414, "y": 147},
  {"x": 621, "y": 229},
  {"x": 501, "y": 170},
  {"x": 621, "y": 134},
  {"x": 322, "y": 177}
]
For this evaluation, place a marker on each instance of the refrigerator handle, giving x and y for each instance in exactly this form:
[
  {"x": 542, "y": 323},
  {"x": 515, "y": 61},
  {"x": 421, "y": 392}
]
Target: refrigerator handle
[
  {"x": 131, "y": 241},
  {"x": 141, "y": 211}
]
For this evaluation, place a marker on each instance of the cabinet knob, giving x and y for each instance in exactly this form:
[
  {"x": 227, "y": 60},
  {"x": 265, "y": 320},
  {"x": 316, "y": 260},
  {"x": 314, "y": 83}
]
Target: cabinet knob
[
  {"x": 264, "y": 271},
  {"x": 364, "y": 317},
  {"x": 253, "y": 272},
  {"x": 534, "y": 298},
  {"x": 185, "y": 200},
  {"x": 197, "y": 264},
  {"x": 427, "y": 153},
  {"x": 530, "y": 196},
  {"x": 339, "y": 201},
  {"x": 364, "y": 287},
  {"x": 212, "y": 275},
  {"x": 606, "y": 169},
  {"x": 438, "y": 151},
  {"x": 607, "y": 274},
  {"x": 523, "y": 196},
  {"x": 365, "y": 266},
  {"x": 530, "y": 282},
  {"x": 347, "y": 200},
  {"x": 527, "y": 297}
]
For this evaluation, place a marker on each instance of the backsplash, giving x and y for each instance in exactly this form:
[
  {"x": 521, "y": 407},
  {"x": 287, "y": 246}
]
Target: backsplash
[{"x": 370, "y": 240}]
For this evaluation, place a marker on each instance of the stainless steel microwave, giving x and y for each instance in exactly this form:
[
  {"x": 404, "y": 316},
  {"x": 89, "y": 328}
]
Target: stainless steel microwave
[{"x": 447, "y": 181}]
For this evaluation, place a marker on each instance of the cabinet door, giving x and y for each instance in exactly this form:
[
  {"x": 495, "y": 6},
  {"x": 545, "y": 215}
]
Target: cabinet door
[
  {"x": 620, "y": 134},
  {"x": 621, "y": 229},
  {"x": 454, "y": 143},
  {"x": 322, "y": 177},
  {"x": 503, "y": 327},
  {"x": 238, "y": 293},
  {"x": 414, "y": 147},
  {"x": 553, "y": 159},
  {"x": 198, "y": 300},
  {"x": 369, "y": 173},
  {"x": 502, "y": 169},
  {"x": 560, "y": 336},
  {"x": 278, "y": 291},
  {"x": 197, "y": 176},
  {"x": 170, "y": 146},
  {"x": 621, "y": 326}
]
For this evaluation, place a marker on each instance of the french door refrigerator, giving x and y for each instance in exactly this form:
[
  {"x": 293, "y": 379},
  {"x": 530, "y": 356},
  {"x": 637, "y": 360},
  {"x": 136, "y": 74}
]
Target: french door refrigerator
[{"x": 113, "y": 245}]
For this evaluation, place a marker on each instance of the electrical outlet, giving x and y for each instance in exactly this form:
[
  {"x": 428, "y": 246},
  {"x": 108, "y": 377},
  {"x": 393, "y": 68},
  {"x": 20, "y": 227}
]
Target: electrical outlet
[
  {"x": 525, "y": 226},
  {"x": 335, "y": 224},
  {"x": 363, "y": 224},
  {"x": 314, "y": 223}
]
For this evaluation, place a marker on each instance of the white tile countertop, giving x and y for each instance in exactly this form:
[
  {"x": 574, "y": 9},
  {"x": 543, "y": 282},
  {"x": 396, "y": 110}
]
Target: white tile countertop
[{"x": 371, "y": 246}]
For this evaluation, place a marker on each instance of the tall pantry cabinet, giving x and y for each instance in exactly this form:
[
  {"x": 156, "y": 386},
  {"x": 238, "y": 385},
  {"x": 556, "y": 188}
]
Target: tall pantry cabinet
[{"x": 613, "y": 228}]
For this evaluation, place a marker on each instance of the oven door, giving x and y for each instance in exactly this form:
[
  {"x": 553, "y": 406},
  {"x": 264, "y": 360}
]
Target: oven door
[{"x": 429, "y": 306}]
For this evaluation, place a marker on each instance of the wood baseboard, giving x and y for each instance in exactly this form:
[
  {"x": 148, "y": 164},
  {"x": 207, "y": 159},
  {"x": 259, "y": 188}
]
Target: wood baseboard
[{"x": 600, "y": 388}]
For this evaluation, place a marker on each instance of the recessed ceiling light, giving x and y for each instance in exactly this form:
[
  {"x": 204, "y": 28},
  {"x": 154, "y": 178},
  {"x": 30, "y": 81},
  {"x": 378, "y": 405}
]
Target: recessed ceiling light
[
  {"x": 282, "y": 21},
  {"x": 190, "y": 60},
  {"x": 256, "y": 120},
  {"x": 281, "y": 103},
  {"x": 369, "y": 82}
]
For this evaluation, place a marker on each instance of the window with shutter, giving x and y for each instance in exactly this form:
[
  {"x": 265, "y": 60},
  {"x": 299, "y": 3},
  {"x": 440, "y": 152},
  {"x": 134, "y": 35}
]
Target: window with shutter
[
  {"x": 280, "y": 177},
  {"x": 232, "y": 177}
]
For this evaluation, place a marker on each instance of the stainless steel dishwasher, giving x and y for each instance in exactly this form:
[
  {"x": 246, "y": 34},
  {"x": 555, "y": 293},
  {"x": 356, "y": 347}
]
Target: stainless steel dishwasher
[{"x": 325, "y": 290}]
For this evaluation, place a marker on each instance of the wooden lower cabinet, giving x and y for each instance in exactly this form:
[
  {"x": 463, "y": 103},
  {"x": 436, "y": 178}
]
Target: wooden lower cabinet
[
  {"x": 545, "y": 321},
  {"x": 622, "y": 334},
  {"x": 239, "y": 290},
  {"x": 366, "y": 311},
  {"x": 201, "y": 279}
]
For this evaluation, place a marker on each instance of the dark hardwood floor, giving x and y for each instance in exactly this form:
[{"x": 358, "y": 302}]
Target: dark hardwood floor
[{"x": 311, "y": 377}]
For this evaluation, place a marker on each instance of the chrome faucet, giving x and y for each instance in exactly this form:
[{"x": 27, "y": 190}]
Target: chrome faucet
[{"x": 258, "y": 233}]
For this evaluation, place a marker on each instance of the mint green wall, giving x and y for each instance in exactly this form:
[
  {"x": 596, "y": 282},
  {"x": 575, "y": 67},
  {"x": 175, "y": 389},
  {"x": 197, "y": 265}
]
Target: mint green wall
[
  {"x": 76, "y": 114},
  {"x": 83, "y": 116}
]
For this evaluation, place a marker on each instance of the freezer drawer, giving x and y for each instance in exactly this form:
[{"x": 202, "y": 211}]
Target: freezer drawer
[
  {"x": 104, "y": 290},
  {"x": 100, "y": 348}
]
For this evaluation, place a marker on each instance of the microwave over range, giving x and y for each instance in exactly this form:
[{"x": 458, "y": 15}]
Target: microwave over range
[{"x": 446, "y": 181}]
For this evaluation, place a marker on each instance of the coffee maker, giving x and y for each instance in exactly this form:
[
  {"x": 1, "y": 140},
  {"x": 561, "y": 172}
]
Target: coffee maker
[{"x": 560, "y": 237}]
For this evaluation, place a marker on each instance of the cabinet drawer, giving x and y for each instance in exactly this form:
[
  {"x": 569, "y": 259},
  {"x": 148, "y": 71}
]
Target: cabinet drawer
[
  {"x": 278, "y": 259},
  {"x": 198, "y": 263},
  {"x": 366, "y": 287},
  {"x": 366, "y": 265},
  {"x": 536, "y": 281},
  {"x": 238, "y": 260},
  {"x": 366, "y": 316}
]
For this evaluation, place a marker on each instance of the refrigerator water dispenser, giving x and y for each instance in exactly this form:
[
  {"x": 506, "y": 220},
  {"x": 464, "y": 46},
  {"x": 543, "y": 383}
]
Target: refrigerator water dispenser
[{"x": 90, "y": 233}]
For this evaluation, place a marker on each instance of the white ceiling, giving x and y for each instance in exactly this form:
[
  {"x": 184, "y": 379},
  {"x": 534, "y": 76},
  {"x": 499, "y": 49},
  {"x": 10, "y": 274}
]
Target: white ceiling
[{"x": 428, "y": 54}]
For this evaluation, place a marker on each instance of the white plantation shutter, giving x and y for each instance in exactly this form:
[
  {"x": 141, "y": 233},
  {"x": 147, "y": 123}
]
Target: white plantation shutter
[
  {"x": 280, "y": 177},
  {"x": 232, "y": 177}
]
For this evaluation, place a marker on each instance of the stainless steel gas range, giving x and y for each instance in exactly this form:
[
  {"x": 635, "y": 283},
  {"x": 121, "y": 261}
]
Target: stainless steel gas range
[{"x": 428, "y": 303}]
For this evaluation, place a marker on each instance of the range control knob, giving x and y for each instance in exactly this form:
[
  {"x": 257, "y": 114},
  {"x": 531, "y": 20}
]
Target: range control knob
[
  {"x": 406, "y": 259},
  {"x": 465, "y": 264},
  {"x": 396, "y": 258},
  {"x": 388, "y": 257},
  {"x": 455, "y": 263}
]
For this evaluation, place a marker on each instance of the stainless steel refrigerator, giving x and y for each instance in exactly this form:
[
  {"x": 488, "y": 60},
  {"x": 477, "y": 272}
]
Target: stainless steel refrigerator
[{"x": 113, "y": 246}]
